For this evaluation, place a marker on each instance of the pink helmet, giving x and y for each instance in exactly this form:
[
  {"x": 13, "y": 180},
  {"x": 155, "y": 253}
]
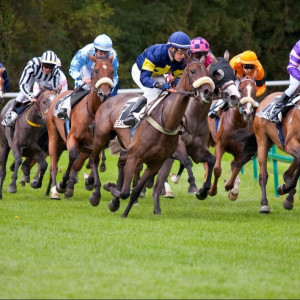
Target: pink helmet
[
  {"x": 58, "y": 62},
  {"x": 199, "y": 44}
]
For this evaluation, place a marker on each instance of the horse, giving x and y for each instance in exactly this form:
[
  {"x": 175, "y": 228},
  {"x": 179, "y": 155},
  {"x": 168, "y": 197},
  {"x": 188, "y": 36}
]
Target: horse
[
  {"x": 155, "y": 137},
  {"x": 222, "y": 130},
  {"x": 25, "y": 139},
  {"x": 286, "y": 137},
  {"x": 193, "y": 143},
  {"x": 80, "y": 137}
]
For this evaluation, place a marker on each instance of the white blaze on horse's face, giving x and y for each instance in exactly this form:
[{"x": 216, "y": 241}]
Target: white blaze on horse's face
[{"x": 232, "y": 92}]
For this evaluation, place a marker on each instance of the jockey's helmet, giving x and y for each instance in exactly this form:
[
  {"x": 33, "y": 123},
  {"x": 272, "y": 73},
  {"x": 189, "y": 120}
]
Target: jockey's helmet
[
  {"x": 199, "y": 44},
  {"x": 179, "y": 40},
  {"x": 103, "y": 42},
  {"x": 49, "y": 57},
  {"x": 249, "y": 58},
  {"x": 58, "y": 62}
]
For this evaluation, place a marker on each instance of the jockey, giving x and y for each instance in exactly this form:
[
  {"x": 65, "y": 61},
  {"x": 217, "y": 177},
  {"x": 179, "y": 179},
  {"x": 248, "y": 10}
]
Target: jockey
[
  {"x": 150, "y": 67},
  {"x": 63, "y": 83},
  {"x": 200, "y": 47},
  {"x": 294, "y": 71},
  {"x": 81, "y": 67},
  {"x": 43, "y": 70},
  {"x": 5, "y": 77},
  {"x": 247, "y": 63}
]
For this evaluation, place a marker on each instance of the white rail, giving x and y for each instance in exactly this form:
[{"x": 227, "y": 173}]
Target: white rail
[{"x": 138, "y": 91}]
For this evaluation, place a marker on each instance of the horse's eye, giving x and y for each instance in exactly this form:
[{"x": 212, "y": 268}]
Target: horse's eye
[
  {"x": 193, "y": 71},
  {"x": 96, "y": 72}
]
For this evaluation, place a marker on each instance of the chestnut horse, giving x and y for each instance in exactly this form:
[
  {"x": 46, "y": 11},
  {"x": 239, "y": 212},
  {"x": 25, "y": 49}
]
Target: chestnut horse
[
  {"x": 155, "y": 138},
  {"x": 286, "y": 137},
  {"x": 25, "y": 139},
  {"x": 80, "y": 138},
  {"x": 222, "y": 129}
]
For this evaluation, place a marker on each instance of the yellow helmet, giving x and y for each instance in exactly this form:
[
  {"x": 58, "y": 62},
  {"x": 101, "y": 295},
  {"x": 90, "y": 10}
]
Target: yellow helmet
[{"x": 249, "y": 58}]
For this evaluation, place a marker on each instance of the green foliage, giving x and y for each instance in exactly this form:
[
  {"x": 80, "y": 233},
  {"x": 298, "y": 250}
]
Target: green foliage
[{"x": 28, "y": 28}]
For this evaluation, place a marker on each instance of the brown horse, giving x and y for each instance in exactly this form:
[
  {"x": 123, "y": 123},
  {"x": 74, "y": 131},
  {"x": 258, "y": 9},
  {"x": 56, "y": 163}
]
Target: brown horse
[
  {"x": 155, "y": 137},
  {"x": 266, "y": 133},
  {"x": 80, "y": 138},
  {"x": 221, "y": 130},
  {"x": 25, "y": 139}
]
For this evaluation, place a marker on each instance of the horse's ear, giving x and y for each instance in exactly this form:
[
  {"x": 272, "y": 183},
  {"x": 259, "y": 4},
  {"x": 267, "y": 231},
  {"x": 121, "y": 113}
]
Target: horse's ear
[
  {"x": 93, "y": 58},
  {"x": 111, "y": 57},
  {"x": 213, "y": 58},
  {"x": 255, "y": 74},
  {"x": 202, "y": 59},
  {"x": 226, "y": 54}
]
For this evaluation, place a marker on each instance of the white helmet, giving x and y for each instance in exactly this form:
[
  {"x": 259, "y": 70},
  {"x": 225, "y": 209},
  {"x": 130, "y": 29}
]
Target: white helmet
[
  {"x": 103, "y": 42},
  {"x": 49, "y": 57}
]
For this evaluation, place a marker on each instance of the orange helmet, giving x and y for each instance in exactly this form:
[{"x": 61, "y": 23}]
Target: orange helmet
[{"x": 249, "y": 58}]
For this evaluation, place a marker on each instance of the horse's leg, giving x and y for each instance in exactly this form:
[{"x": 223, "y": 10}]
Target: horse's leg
[
  {"x": 262, "y": 155},
  {"x": 219, "y": 151},
  {"x": 210, "y": 161},
  {"x": 26, "y": 171},
  {"x": 4, "y": 151},
  {"x": 76, "y": 167},
  {"x": 175, "y": 177},
  {"x": 12, "y": 188},
  {"x": 103, "y": 159},
  {"x": 114, "y": 204},
  {"x": 162, "y": 175},
  {"x": 54, "y": 152},
  {"x": 43, "y": 165},
  {"x": 138, "y": 188},
  {"x": 232, "y": 185}
]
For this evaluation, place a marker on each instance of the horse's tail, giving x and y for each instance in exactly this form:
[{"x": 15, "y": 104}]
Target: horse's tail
[
  {"x": 43, "y": 139},
  {"x": 249, "y": 146}
]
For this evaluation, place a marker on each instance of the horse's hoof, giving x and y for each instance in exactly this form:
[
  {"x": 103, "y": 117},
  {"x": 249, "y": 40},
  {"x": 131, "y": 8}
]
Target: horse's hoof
[
  {"x": 212, "y": 193},
  {"x": 202, "y": 195},
  {"x": 193, "y": 190},
  {"x": 89, "y": 187},
  {"x": 69, "y": 193},
  {"x": 35, "y": 185},
  {"x": 280, "y": 190},
  {"x": 102, "y": 168},
  {"x": 54, "y": 194},
  {"x": 25, "y": 179},
  {"x": 59, "y": 189},
  {"x": 113, "y": 206},
  {"x": 232, "y": 196},
  {"x": 94, "y": 200},
  {"x": 169, "y": 195},
  {"x": 108, "y": 186},
  {"x": 157, "y": 212},
  {"x": 54, "y": 198},
  {"x": 174, "y": 178},
  {"x": 142, "y": 195},
  {"x": 12, "y": 189},
  {"x": 288, "y": 205},
  {"x": 136, "y": 203},
  {"x": 22, "y": 183},
  {"x": 264, "y": 209}
]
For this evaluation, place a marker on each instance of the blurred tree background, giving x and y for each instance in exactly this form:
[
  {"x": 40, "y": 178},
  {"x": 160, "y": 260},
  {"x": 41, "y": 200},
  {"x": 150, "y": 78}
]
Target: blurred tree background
[{"x": 30, "y": 27}]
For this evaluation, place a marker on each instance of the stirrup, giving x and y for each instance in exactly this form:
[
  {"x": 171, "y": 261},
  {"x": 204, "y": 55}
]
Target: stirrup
[{"x": 62, "y": 113}]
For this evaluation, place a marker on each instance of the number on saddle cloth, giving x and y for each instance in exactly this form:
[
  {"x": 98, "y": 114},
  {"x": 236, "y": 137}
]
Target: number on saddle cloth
[{"x": 125, "y": 112}]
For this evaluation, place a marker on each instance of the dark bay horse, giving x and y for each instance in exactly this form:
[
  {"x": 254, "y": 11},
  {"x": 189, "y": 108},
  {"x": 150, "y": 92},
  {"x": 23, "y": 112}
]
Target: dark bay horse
[
  {"x": 222, "y": 129},
  {"x": 80, "y": 137},
  {"x": 155, "y": 138},
  {"x": 25, "y": 139},
  {"x": 286, "y": 137}
]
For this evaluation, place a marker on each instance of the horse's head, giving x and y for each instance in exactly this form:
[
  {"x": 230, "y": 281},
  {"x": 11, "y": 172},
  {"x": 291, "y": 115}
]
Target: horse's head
[
  {"x": 195, "y": 79},
  {"x": 2, "y": 81},
  {"x": 103, "y": 74},
  {"x": 224, "y": 79},
  {"x": 247, "y": 89}
]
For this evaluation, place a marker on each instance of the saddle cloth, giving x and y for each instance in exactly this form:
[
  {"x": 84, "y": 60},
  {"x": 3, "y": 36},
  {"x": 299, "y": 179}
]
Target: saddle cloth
[
  {"x": 69, "y": 101},
  {"x": 267, "y": 111}
]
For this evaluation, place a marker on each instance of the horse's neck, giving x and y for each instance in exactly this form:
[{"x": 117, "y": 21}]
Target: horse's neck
[
  {"x": 197, "y": 111},
  {"x": 238, "y": 120},
  {"x": 93, "y": 102}
]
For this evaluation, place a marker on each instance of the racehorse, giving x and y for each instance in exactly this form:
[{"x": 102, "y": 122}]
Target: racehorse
[
  {"x": 195, "y": 140},
  {"x": 2, "y": 81},
  {"x": 155, "y": 137},
  {"x": 80, "y": 137},
  {"x": 286, "y": 137},
  {"x": 222, "y": 130},
  {"x": 25, "y": 139}
]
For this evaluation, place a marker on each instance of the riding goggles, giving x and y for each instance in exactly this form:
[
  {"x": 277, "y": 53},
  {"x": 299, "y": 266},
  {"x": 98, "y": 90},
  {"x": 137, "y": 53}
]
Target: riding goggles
[
  {"x": 48, "y": 66},
  {"x": 248, "y": 67}
]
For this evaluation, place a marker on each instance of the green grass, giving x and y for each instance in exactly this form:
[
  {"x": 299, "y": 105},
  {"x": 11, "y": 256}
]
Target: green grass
[{"x": 212, "y": 249}]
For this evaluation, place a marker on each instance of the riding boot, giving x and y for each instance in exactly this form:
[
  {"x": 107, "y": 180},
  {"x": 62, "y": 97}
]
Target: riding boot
[
  {"x": 213, "y": 112},
  {"x": 131, "y": 120},
  {"x": 11, "y": 115},
  {"x": 281, "y": 102}
]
